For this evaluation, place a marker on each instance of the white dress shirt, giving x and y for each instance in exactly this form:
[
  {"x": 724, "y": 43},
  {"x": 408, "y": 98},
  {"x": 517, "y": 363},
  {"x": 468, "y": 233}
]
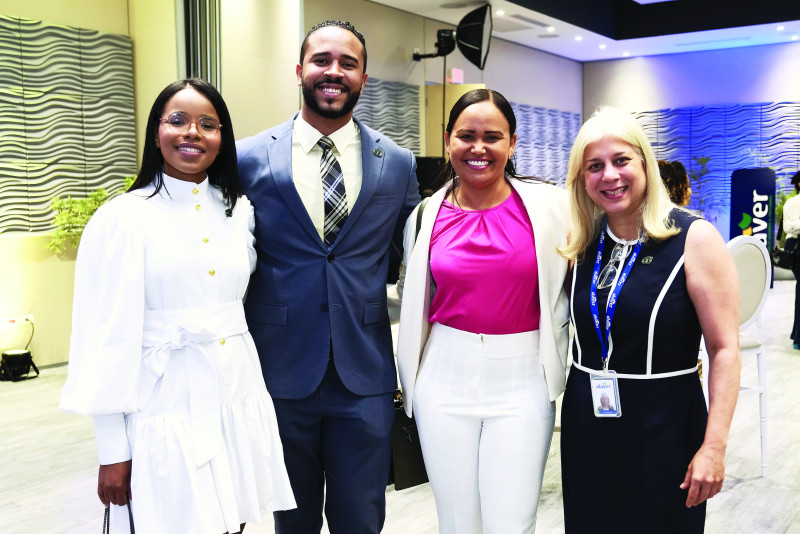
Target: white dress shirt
[
  {"x": 306, "y": 155},
  {"x": 791, "y": 217}
]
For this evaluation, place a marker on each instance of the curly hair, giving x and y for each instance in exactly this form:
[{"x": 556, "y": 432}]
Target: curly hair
[{"x": 676, "y": 181}]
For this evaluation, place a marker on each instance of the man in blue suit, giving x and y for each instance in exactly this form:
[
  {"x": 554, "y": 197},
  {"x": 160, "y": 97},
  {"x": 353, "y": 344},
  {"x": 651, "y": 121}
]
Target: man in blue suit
[{"x": 330, "y": 194}]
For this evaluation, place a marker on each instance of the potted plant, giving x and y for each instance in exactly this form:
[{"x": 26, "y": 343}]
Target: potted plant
[{"x": 72, "y": 215}]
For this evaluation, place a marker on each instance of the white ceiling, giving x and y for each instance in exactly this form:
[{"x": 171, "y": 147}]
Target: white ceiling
[{"x": 530, "y": 28}]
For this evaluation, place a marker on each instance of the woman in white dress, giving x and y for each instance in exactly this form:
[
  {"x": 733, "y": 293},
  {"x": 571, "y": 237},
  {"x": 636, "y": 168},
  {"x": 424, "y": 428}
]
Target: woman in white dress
[{"x": 160, "y": 353}]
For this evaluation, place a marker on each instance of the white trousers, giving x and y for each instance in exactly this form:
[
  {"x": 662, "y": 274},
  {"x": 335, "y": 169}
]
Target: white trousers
[{"x": 485, "y": 423}]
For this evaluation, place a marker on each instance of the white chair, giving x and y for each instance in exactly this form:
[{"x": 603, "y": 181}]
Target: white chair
[{"x": 755, "y": 276}]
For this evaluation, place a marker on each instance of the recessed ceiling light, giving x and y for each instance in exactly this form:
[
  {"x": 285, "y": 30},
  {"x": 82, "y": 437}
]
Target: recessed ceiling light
[
  {"x": 626, "y": 54},
  {"x": 780, "y": 28},
  {"x": 500, "y": 12},
  {"x": 794, "y": 37},
  {"x": 602, "y": 47},
  {"x": 578, "y": 38},
  {"x": 551, "y": 28}
]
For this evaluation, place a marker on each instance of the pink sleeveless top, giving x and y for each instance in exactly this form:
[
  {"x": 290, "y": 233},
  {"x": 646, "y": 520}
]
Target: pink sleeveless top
[{"x": 484, "y": 266}]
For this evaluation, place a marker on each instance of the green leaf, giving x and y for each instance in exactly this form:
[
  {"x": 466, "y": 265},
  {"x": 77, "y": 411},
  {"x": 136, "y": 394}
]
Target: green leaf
[{"x": 73, "y": 214}]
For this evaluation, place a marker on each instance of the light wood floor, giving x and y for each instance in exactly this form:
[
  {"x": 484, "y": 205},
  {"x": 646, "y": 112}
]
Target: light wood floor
[{"x": 48, "y": 463}]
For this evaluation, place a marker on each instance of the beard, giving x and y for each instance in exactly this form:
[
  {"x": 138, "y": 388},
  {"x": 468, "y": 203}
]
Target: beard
[{"x": 309, "y": 97}]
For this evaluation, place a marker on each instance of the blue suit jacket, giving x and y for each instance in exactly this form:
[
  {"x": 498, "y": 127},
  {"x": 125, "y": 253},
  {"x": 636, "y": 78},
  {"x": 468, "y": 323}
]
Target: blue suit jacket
[{"x": 303, "y": 300}]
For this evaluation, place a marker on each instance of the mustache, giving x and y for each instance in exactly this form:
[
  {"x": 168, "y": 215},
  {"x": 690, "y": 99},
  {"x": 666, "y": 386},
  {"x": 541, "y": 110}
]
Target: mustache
[{"x": 331, "y": 81}]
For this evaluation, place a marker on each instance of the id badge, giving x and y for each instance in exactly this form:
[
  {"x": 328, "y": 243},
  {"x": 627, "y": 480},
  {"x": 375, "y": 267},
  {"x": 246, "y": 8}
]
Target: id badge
[{"x": 605, "y": 394}]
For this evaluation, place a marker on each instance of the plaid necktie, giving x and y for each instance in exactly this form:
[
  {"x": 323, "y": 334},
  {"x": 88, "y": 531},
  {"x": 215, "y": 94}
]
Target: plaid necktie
[{"x": 332, "y": 192}]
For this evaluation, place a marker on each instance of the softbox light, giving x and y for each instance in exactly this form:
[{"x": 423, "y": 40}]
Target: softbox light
[{"x": 472, "y": 36}]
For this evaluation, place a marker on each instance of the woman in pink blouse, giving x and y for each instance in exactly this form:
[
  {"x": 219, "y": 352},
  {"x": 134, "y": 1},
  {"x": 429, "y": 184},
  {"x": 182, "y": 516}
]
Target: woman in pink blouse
[{"x": 483, "y": 326}]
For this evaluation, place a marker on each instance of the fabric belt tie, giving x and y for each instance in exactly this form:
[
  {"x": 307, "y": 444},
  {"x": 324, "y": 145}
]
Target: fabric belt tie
[{"x": 169, "y": 330}]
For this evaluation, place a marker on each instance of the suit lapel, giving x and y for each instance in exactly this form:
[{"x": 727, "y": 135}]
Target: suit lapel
[{"x": 279, "y": 154}]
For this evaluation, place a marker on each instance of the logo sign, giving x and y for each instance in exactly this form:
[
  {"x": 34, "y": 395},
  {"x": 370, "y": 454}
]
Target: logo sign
[{"x": 753, "y": 204}]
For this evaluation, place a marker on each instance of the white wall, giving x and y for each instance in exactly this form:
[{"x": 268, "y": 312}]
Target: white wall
[
  {"x": 260, "y": 46},
  {"x": 768, "y": 73}
]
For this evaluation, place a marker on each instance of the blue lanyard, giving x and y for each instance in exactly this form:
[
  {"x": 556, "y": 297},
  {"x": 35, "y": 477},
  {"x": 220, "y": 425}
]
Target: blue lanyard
[{"x": 612, "y": 298}]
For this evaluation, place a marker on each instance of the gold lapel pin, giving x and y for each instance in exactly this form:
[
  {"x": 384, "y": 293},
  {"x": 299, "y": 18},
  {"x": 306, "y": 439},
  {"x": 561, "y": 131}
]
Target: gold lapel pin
[
  {"x": 647, "y": 260},
  {"x": 378, "y": 152}
]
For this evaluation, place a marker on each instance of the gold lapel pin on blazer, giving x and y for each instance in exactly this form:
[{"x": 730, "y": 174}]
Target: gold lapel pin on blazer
[{"x": 378, "y": 152}]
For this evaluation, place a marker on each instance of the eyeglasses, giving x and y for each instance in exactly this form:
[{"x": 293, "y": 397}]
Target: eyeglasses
[
  {"x": 179, "y": 122},
  {"x": 609, "y": 272}
]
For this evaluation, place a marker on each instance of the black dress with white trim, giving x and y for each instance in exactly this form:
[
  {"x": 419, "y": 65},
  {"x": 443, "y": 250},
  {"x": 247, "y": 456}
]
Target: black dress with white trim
[{"x": 623, "y": 474}]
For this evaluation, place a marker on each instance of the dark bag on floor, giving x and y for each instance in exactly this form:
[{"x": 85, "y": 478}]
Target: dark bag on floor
[
  {"x": 107, "y": 519},
  {"x": 408, "y": 467},
  {"x": 16, "y": 365},
  {"x": 785, "y": 257}
]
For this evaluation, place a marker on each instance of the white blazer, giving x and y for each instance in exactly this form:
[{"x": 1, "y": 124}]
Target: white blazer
[{"x": 548, "y": 209}]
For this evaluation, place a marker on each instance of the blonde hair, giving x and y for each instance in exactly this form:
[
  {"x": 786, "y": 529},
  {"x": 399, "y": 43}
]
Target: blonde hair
[{"x": 587, "y": 217}]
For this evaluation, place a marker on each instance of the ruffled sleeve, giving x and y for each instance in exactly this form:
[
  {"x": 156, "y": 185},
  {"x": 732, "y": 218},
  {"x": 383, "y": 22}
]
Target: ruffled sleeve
[{"x": 107, "y": 319}]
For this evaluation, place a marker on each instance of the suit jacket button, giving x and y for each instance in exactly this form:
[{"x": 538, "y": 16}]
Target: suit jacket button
[
  {"x": 324, "y": 307},
  {"x": 330, "y": 258}
]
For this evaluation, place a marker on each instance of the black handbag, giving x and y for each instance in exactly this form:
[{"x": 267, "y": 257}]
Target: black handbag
[
  {"x": 408, "y": 466},
  {"x": 16, "y": 365},
  {"x": 785, "y": 257},
  {"x": 107, "y": 517}
]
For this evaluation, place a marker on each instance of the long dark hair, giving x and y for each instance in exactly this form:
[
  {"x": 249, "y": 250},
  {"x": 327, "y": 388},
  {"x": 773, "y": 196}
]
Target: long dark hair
[
  {"x": 223, "y": 172},
  {"x": 476, "y": 96}
]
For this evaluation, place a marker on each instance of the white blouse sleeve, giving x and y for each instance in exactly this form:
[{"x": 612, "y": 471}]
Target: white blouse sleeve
[
  {"x": 791, "y": 216},
  {"x": 107, "y": 322}
]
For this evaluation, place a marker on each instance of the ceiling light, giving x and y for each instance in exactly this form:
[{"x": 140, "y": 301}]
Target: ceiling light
[
  {"x": 780, "y": 28},
  {"x": 794, "y": 37},
  {"x": 578, "y": 38},
  {"x": 551, "y": 28},
  {"x": 626, "y": 54},
  {"x": 602, "y": 47},
  {"x": 500, "y": 12}
]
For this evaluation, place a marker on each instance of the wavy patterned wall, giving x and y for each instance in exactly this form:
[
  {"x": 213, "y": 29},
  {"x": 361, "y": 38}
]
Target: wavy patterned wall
[
  {"x": 392, "y": 108},
  {"x": 544, "y": 140},
  {"x": 66, "y": 117},
  {"x": 736, "y": 136}
]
